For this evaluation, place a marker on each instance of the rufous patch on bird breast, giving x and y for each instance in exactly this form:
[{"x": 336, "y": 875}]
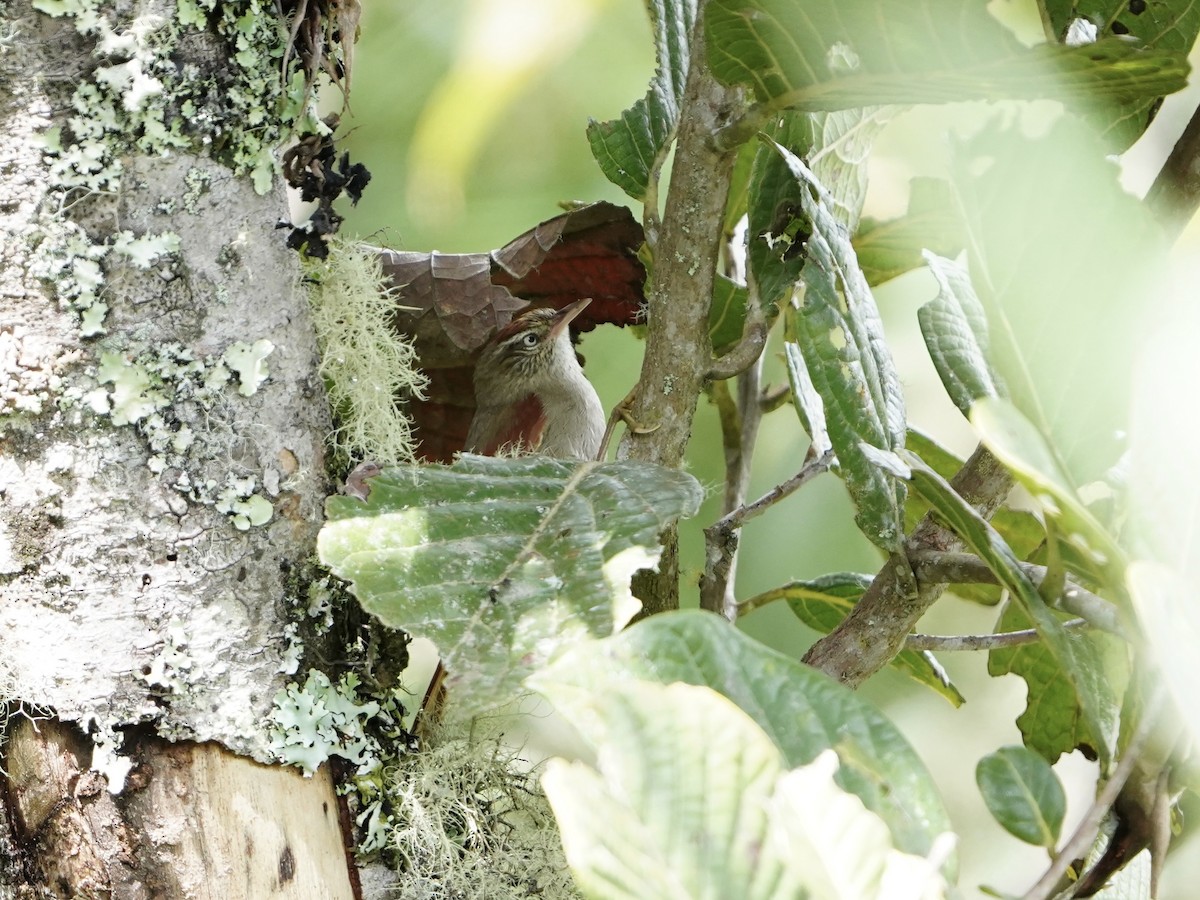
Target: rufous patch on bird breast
[{"x": 525, "y": 420}]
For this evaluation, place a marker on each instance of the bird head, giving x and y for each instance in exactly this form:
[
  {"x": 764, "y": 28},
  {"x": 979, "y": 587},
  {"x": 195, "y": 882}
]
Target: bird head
[{"x": 531, "y": 348}]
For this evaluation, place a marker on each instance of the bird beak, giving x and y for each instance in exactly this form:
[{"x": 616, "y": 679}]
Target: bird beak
[{"x": 564, "y": 316}]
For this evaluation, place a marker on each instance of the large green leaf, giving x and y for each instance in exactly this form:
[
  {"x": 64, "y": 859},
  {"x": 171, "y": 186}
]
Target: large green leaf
[
  {"x": 802, "y": 711},
  {"x": 841, "y": 345},
  {"x": 822, "y": 603},
  {"x": 690, "y": 800},
  {"x": 1097, "y": 705},
  {"x": 1059, "y": 255},
  {"x": 631, "y": 149},
  {"x": 889, "y": 248},
  {"x": 1052, "y": 722},
  {"x": 824, "y": 56},
  {"x": 954, "y": 325},
  {"x": 1170, "y": 25},
  {"x": 1023, "y": 794},
  {"x": 500, "y": 562}
]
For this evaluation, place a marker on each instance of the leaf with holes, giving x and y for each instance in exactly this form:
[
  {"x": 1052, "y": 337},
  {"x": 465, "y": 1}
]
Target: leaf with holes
[
  {"x": 840, "y": 343},
  {"x": 500, "y": 562}
]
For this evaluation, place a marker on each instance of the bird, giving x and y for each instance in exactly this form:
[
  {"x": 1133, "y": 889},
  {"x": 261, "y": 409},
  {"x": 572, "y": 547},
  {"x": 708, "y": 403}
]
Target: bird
[{"x": 531, "y": 395}]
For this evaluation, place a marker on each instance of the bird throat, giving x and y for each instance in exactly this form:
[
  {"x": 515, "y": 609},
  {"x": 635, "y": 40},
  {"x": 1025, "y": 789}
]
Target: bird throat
[{"x": 524, "y": 421}]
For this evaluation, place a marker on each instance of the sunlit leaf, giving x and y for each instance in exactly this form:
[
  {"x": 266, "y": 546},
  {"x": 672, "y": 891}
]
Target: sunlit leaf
[
  {"x": 887, "y": 249},
  {"x": 823, "y": 56},
  {"x": 500, "y": 562},
  {"x": 1097, "y": 705},
  {"x": 812, "y": 715}
]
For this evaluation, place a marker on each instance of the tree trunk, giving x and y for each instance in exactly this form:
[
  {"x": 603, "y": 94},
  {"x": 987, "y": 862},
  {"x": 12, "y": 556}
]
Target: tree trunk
[{"x": 162, "y": 474}]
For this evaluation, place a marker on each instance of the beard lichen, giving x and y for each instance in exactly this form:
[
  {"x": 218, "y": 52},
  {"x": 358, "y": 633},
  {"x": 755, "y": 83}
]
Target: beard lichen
[
  {"x": 463, "y": 819},
  {"x": 365, "y": 365}
]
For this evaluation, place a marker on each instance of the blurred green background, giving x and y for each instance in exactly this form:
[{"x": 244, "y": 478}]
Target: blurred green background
[{"x": 470, "y": 115}]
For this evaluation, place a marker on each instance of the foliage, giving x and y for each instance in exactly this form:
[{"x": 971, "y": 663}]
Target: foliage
[{"x": 704, "y": 781}]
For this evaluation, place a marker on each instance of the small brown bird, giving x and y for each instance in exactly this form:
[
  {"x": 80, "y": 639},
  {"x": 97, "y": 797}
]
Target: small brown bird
[{"x": 531, "y": 395}]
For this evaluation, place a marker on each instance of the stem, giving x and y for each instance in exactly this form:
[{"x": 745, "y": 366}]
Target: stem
[
  {"x": 678, "y": 355},
  {"x": 739, "y": 426},
  {"x": 1175, "y": 194},
  {"x": 874, "y": 631}
]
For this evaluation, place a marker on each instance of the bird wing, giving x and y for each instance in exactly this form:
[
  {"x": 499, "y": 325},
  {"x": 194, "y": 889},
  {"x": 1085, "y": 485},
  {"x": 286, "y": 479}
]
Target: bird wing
[{"x": 519, "y": 425}]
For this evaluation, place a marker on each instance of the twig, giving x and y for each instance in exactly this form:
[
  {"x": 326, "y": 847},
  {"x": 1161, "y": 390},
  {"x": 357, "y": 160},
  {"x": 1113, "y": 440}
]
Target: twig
[
  {"x": 812, "y": 468},
  {"x": 1085, "y": 833},
  {"x": 948, "y": 643},
  {"x": 739, "y": 429},
  {"x": 744, "y": 353},
  {"x": 721, "y": 540}
]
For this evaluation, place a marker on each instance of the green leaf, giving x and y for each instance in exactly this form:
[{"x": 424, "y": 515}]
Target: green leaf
[
  {"x": 812, "y": 715},
  {"x": 1052, "y": 722},
  {"x": 690, "y": 799},
  {"x": 727, "y": 315},
  {"x": 1171, "y": 26},
  {"x": 1057, "y": 253},
  {"x": 824, "y": 56},
  {"x": 1023, "y": 450},
  {"x": 1024, "y": 795},
  {"x": 890, "y": 248},
  {"x": 822, "y": 603},
  {"x": 631, "y": 149},
  {"x": 1093, "y": 695},
  {"x": 500, "y": 562},
  {"x": 841, "y": 344},
  {"x": 955, "y": 328}
]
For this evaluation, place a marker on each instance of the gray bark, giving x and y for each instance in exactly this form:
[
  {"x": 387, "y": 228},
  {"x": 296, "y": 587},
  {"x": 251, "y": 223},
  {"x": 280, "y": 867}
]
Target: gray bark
[{"x": 136, "y": 586}]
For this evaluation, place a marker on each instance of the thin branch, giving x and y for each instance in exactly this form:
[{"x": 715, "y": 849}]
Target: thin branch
[
  {"x": 1089, "y": 827},
  {"x": 947, "y": 643},
  {"x": 807, "y": 473},
  {"x": 1175, "y": 194},
  {"x": 721, "y": 538},
  {"x": 938, "y": 567}
]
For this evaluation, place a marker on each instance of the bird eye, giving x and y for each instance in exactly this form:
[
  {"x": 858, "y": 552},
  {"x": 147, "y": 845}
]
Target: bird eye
[{"x": 530, "y": 340}]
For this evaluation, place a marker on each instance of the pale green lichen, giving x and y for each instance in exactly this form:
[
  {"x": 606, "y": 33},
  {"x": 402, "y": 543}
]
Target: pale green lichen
[
  {"x": 319, "y": 719},
  {"x": 366, "y": 365},
  {"x": 248, "y": 362}
]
